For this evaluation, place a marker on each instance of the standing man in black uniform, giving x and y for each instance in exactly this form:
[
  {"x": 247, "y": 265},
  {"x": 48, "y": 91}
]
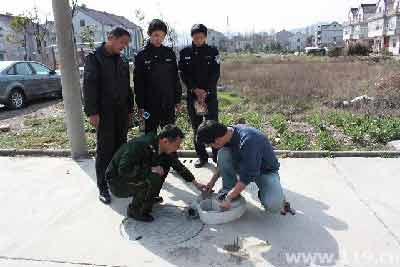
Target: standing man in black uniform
[
  {"x": 200, "y": 70},
  {"x": 108, "y": 100},
  {"x": 157, "y": 86}
]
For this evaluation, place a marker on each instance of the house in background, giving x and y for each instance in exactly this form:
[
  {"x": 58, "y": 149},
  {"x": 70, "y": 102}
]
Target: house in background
[
  {"x": 11, "y": 43},
  {"x": 356, "y": 27},
  {"x": 217, "y": 39},
  {"x": 384, "y": 27},
  {"x": 282, "y": 38},
  {"x": 298, "y": 42},
  {"x": 101, "y": 23},
  {"x": 329, "y": 35}
]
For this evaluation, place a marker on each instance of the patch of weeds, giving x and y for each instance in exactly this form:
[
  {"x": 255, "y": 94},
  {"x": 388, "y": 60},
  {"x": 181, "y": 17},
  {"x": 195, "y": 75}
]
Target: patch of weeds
[
  {"x": 253, "y": 119},
  {"x": 326, "y": 141},
  {"x": 279, "y": 122},
  {"x": 227, "y": 99},
  {"x": 294, "y": 141}
]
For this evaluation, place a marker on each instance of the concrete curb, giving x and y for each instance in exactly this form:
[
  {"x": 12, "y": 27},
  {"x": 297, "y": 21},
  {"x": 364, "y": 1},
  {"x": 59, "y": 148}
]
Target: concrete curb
[{"x": 192, "y": 153}]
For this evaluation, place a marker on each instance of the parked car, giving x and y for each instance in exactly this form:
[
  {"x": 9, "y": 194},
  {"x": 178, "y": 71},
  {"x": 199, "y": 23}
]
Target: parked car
[{"x": 23, "y": 81}]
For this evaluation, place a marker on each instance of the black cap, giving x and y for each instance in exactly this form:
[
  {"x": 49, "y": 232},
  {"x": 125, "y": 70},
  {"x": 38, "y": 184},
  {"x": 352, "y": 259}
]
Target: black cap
[
  {"x": 199, "y": 28},
  {"x": 157, "y": 25}
]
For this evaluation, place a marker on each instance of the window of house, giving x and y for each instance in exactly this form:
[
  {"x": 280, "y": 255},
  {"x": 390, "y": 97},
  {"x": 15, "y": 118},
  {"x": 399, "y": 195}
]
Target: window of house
[
  {"x": 298, "y": 40},
  {"x": 394, "y": 42},
  {"x": 22, "y": 69},
  {"x": 82, "y": 23},
  {"x": 334, "y": 39}
]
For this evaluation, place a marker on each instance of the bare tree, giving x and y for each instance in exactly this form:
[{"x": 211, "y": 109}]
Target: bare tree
[{"x": 19, "y": 25}]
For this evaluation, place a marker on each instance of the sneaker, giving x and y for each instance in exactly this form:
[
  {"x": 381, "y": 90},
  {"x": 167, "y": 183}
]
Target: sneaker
[
  {"x": 200, "y": 163},
  {"x": 105, "y": 196},
  {"x": 287, "y": 209}
]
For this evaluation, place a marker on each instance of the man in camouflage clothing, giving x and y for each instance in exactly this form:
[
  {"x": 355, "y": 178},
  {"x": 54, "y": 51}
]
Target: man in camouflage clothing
[{"x": 140, "y": 167}]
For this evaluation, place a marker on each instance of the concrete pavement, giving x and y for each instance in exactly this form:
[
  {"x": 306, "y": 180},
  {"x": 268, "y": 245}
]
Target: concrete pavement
[{"x": 348, "y": 214}]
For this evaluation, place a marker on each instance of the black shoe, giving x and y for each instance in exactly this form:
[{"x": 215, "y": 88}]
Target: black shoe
[
  {"x": 105, "y": 196},
  {"x": 200, "y": 163},
  {"x": 143, "y": 217},
  {"x": 157, "y": 200}
]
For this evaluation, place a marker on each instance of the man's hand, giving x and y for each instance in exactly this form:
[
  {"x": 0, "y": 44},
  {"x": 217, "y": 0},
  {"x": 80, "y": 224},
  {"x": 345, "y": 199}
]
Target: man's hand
[
  {"x": 158, "y": 170},
  {"x": 199, "y": 186},
  {"x": 201, "y": 95},
  {"x": 94, "y": 120},
  {"x": 178, "y": 108},
  {"x": 141, "y": 114},
  {"x": 210, "y": 186},
  {"x": 225, "y": 205}
]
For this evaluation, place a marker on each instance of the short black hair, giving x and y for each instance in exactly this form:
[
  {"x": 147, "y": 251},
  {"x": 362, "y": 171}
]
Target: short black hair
[
  {"x": 210, "y": 130},
  {"x": 118, "y": 32},
  {"x": 171, "y": 132},
  {"x": 157, "y": 25},
  {"x": 199, "y": 28}
]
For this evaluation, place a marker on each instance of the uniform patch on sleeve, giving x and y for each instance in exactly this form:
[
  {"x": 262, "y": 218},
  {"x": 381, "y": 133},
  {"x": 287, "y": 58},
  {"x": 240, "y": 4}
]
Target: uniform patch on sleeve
[{"x": 218, "y": 59}]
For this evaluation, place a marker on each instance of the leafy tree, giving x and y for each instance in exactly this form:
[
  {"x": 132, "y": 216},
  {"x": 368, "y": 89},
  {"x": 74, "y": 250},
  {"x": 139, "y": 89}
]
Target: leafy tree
[{"x": 87, "y": 36}]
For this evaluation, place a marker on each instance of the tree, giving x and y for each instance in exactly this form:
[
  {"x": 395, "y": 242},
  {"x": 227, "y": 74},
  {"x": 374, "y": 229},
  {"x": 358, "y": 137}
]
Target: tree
[
  {"x": 87, "y": 36},
  {"x": 19, "y": 25},
  {"x": 141, "y": 20}
]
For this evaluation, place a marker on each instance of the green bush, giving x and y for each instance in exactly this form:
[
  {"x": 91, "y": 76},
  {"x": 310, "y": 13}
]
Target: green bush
[
  {"x": 325, "y": 141},
  {"x": 358, "y": 49},
  {"x": 294, "y": 141},
  {"x": 279, "y": 122},
  {"x": 335, "y": 52}
]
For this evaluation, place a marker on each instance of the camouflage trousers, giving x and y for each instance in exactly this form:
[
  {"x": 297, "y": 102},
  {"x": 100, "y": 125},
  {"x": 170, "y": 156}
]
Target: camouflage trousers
[{"x": 143, "y": 191}]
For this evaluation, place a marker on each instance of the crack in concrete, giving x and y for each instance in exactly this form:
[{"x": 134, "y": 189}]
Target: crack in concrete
[
  {"x": 363, "y": 201},
  {"x": 58, "y": 261}
]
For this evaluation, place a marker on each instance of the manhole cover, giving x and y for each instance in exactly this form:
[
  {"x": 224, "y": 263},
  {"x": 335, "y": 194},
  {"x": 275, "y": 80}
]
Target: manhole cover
[{"x": 170, "y": 227}]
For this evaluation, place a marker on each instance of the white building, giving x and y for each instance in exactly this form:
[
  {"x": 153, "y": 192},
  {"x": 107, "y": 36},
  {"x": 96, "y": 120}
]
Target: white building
[
  {"x": 101, "y": 23},
  {"x": 356, "y": 27},
  {"x": 329, "y": 35},
  {"x": 384, "y": 27},
  {"x": 217, "y": 39},
  {"x": 298, "y": 42}
]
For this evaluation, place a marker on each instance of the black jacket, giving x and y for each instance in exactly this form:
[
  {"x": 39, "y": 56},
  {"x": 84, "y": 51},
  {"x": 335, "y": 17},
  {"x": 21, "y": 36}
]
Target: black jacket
[
  {"x": 200, "y": 68},
  {"x": 106, "y": 82},
  {"x": 156, "y": 79}
]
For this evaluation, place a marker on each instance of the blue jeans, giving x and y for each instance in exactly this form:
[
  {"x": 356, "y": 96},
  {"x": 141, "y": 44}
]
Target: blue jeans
[{"x": 270, "y": 191}]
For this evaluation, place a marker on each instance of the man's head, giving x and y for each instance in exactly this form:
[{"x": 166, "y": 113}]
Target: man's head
[
  {"x": 213, "y": 134},
  {"x": 170, "y": 139},
  {"x": 157, "y": 32},
  {"x": 118, "y": 39},
  {"x": 199, "y": 34}
]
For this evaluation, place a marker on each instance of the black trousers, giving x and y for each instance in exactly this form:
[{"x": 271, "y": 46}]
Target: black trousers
[
  {"x": 159, "y": 118},
  {"x": 111, "y": 135},
  {"x": 196, "y": 120}
]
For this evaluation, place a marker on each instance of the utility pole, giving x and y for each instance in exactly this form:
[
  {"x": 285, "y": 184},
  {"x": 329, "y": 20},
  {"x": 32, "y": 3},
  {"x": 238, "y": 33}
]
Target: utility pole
[{"x": 70, "y": 78}]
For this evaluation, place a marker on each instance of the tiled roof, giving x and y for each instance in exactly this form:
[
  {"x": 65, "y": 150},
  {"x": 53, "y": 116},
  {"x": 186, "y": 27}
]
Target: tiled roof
[{"x": 107, "y": 18}]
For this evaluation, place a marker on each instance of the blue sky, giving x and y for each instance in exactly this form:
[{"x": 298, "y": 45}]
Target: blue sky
[{"x": 244, "y": 16}]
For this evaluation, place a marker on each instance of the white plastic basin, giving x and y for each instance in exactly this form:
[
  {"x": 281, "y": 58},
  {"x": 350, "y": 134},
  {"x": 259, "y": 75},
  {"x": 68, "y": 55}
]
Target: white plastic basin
[{"x": 211, "y": 213}]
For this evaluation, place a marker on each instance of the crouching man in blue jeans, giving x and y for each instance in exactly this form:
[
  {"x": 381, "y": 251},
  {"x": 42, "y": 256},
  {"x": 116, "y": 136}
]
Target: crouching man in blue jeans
[{"x": 245, "y": 155}]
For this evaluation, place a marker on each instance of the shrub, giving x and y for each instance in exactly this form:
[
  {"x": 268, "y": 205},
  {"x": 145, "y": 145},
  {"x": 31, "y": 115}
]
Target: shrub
[
  {"x": 278, "y": 121},
  {"x": 358, "y": 49},
  {"x": 294, "y": 141},
  {"x": 335, "y": 52}
]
